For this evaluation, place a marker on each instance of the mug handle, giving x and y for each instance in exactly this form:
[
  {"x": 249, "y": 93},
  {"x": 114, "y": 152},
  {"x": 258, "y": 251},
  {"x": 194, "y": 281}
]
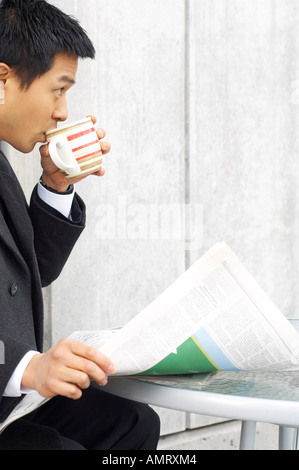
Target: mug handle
[{"x": 62, "y": 155}]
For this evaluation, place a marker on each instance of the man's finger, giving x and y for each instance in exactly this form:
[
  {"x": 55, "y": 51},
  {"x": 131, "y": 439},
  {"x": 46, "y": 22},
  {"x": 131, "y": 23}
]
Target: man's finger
[
  {"x": 93, "y": 355},
  {"x": 93, "y": 118},
  {"x": 44, "y": 151},
  {"x": 105, "y": 146},
  {"x": 101, "y": 133}
]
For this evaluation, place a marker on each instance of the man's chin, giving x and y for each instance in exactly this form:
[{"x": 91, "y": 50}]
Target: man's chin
[{"x": 27, "y": 148}]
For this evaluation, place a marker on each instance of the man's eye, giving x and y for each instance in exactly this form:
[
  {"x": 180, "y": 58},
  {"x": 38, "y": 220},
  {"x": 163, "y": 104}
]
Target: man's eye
[{"x": 59, "y": 91}]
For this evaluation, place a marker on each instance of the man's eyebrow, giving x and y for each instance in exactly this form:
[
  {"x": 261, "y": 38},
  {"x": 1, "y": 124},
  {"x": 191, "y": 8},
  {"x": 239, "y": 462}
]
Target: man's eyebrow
[{"x": 67, "y": 79}]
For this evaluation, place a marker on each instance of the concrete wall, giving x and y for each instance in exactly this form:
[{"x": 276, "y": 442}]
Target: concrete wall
[{"x": 200, "y": 100}]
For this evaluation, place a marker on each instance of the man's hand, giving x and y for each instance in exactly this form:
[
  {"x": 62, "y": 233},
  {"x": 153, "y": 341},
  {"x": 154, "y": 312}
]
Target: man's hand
[
  {"x": 53, "y": 177},
  {"x": 66, "y": 369}
]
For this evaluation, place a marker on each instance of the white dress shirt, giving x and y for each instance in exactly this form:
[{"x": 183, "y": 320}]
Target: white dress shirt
[{"x": 63, "y": 204}]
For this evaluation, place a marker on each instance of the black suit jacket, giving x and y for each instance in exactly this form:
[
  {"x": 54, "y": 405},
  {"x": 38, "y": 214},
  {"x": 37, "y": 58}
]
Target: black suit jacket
[{"x": 35, "y": 242}]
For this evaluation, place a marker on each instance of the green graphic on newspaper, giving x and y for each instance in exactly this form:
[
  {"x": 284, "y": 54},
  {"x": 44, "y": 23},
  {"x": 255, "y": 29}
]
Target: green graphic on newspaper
[{"x": 199, "y": 353}]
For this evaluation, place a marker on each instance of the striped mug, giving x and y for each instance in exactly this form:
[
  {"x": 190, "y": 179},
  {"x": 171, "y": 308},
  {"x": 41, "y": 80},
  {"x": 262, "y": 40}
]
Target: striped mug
[{"x": 75, "y": 148}]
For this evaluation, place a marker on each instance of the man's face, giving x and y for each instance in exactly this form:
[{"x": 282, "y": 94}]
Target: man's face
[{"x": 29, "y": 114}]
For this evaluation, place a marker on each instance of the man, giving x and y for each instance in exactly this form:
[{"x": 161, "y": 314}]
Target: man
[{"x": 39, "y": 51}]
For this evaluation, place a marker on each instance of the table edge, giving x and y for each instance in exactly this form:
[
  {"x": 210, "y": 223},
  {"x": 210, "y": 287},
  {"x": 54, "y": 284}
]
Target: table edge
[{"x": 280, "y": 412}]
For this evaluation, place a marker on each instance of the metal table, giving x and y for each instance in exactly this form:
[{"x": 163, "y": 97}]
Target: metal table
[{"x": 270, "y": 397}]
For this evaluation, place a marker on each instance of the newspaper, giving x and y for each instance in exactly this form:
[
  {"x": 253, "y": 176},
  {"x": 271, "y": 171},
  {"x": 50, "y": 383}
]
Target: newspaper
[{"x": 215, "y": 317}]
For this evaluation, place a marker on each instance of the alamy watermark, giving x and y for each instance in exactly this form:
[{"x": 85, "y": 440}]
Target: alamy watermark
[
  {"x": 164, "y": 222},
  {"x": 2, "y": 353}
]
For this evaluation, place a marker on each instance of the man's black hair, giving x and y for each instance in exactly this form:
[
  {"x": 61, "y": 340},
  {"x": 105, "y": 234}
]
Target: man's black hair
[{"x": 33, "y": 32}]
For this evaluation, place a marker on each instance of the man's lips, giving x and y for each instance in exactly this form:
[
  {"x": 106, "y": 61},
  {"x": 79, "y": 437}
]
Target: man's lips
[{"x": 42, "y": 138}]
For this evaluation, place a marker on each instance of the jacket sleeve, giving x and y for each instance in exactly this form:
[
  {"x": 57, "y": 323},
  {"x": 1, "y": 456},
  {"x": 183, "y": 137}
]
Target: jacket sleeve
[{"x": 54, "y": 235}]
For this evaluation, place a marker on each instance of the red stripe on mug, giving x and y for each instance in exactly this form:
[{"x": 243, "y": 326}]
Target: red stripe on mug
[
  {"x": 80, "y": 134},
  {"x": 86, "y": 145}
]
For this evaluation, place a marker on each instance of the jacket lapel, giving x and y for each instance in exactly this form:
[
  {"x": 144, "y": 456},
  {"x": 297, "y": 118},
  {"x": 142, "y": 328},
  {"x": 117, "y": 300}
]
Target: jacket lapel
[
  {"x": 7, "y": 238},
  {"x": 16, "y": 234}
]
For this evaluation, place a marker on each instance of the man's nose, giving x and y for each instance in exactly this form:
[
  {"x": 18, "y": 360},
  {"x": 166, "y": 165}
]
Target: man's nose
[{"x": 61, "y": 111}]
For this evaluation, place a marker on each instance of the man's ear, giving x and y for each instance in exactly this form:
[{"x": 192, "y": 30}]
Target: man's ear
[{"x": 4, "y": 71}]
